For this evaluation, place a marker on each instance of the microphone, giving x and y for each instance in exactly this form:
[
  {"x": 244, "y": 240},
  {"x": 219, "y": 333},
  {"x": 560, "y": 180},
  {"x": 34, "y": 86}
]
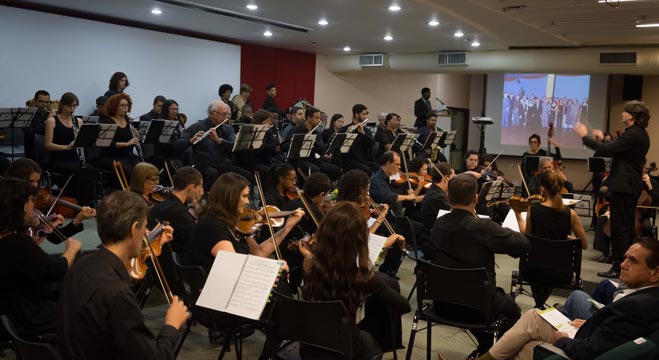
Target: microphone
[{"x": 441, "y": 102}]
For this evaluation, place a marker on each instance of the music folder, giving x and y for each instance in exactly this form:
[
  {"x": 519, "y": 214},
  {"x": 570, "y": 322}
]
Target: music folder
[{"x": 239, "y": 284}]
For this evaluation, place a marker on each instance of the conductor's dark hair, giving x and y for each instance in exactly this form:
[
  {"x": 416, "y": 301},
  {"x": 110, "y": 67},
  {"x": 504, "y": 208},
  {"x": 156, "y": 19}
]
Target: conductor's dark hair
[{"x": 639, "y": 111}]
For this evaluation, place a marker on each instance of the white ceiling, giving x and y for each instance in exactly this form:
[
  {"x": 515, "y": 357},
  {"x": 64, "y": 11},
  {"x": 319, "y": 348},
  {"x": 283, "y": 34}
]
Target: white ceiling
[{"x": 362, "y": 24}]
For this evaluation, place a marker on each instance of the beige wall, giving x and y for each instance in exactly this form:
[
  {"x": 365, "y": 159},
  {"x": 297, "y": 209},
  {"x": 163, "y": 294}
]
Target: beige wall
[{"x": 384, "y": 91}]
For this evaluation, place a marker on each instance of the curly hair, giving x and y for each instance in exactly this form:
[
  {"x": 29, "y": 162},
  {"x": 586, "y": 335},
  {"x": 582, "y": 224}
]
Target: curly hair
[
  {"x": 112, "y": 104},
  {"x": 14, "y": 193},
  {"x": 342, "y": 237},
  {"x": 223, "y": 198},
  {"x": 353, "y": 186},
  {"x": 114, "y": 80}
]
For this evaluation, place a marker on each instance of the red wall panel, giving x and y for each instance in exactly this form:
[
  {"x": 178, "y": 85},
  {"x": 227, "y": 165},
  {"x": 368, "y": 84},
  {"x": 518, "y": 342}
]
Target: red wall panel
[{"x": 293, "y": 72}]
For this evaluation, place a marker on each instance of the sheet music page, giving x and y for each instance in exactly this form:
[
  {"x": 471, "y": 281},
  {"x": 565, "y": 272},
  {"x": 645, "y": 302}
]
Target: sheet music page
[
  {"x": 347, "y": 143},
  {"x": 510, "y": 222},
  {"x": 106, "y": 134},
  {"x": 559, "y": 321},
  {"x": 221, "y": 280},
  {"x": 375, "y": 245},
  {"x": 253, "y": 288}
]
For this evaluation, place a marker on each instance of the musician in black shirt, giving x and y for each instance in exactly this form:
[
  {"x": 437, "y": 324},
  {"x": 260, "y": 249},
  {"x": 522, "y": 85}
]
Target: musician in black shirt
[{"x": 360, "y": 155}]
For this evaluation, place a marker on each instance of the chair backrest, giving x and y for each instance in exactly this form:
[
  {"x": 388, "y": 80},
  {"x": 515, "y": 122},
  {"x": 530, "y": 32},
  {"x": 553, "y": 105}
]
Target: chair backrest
[
  {"x": 192, "y": 279},
  {"x": 404, "y": 227},
  {"x": 324, "y": 325},
  {"x": 28, "y": 350},
  {"x": 468, "y": 288},
  {"x": 551, "y": 262}
]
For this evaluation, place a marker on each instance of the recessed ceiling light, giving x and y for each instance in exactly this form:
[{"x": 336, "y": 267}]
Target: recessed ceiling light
[
  {"x": 267, "y": 33},
  {"x": 388, "y": 37},
  {"x": 466, "y": 39},
  {"x": 394, "y": 7},
  {"x": 156, "y": 11},
  {"x": 323, "y": 22},
  {"x": 346, "y": 49},
  {"x": 475, "y": 43},
  {"x": 252, "y": 6},
  {"x": 646, "y": 24},
  {"x": 433, "y": 23},
  {"x": 459, "y": 34}
]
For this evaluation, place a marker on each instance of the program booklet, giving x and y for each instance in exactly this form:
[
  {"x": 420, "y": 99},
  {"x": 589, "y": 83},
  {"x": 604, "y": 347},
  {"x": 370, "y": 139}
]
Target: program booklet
[{"x": 559, "y": 321}]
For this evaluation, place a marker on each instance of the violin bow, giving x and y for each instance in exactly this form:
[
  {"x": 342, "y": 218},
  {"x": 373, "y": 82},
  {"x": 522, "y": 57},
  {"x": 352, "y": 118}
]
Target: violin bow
[
  {"x": 409, "y": 184},
  {"x": 59, "y": 195},
  {"x": 523, "y": 181},
  {"x": 493, "y": 160},
  {"x": 257, "y": 177},
  {"x": 437, "y": 169},
  {"x": 307, "y": 207}
]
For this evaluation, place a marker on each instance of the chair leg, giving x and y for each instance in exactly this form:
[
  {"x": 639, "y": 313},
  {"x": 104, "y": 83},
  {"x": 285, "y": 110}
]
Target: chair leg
[
  {"x": 411, "y": 292},
  {"x": 429, "y": 340},
  {"x": 410, "y": 344}
]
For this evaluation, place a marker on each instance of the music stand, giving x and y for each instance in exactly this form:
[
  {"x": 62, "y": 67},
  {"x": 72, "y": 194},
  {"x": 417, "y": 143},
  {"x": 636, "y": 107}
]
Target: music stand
[
  {"x": 89, "y": 119},
  {"x": 599, "y": 164},
  {"x": 340, "y": 142},
  {"x": 403, "y": 142},
  {"x": 87, "y": 135},
  {"x": 481, "y": 123},
  {"x": 106, "y": 134},
  {"x": 150, "y": 131},
  {"x": 301, "y": 146},
  {"x": 250, "y": 137},
  {"x": 431, "y": 141},
  {"x": 16, "y": 118},
  {"x": 492, "y": 191},
  {"x": 169, "y": 126}
]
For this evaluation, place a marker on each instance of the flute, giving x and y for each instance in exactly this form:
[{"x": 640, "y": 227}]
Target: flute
[{"x": 206, "y": 133}]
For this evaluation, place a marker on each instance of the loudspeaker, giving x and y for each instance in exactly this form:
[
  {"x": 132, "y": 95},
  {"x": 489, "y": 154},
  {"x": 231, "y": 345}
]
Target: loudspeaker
[{"x": 632, "y": 87}]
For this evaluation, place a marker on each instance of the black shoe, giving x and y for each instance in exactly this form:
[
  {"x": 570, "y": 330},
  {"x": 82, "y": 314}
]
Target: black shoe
[
  {"x": 560, "y": 307},
  {"x": 612, "y": 273}
]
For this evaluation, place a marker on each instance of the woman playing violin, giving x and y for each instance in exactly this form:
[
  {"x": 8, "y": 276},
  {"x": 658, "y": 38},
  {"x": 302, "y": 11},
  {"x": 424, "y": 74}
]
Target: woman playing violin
[
  {"x": 353, "y": 187},
  {"x": 61, "y": 131},
  {"x": 28, "y": 276},
  {"x": 28, "y": 170},
  {"x": 418, "y": 177},
  {"x": 216, "y": 228},
  {"x": 143, "y": 182}
]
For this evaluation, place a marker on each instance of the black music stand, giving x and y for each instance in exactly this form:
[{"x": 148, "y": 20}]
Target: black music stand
[
  {"x": 599, "y": 164},
  {"x": 301, "y": 146},
  {"x": 493, "y": 191},
  {"x": 106, "y": 134},
  {"x": 16, "y": 118},
  {"x": 169, "y": 127},
  {"x": 481, "y": 123},
  {"x": 87, "y": 135},
  {"x": 403, "y": 142},
  {"x": 150, "y": 131},
  {"x": 89, "y": 119},
  {"x": 431, "y": 141},
  {"x": 340, "y": 143},
  {"x": 250, "y": 137}
]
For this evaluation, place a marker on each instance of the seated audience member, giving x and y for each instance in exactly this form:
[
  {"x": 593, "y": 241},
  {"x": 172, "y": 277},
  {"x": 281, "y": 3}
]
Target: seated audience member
[
  {"x": 98, "y": 314},
  {"x": 61, "y": 131},
  {"x": 546, "y": 164},
  {"x": 331, "y": 273},
  {"x": 462, "y": 240},
  {"x": 125, "y": 139},
  {"x": 360, "y": 156},
  {"x": 28, "y": 275},
  {"x": 551, "y": 220},
  {"x": 632, "y": 314},
  {"x": 212, "y": 154},
  {"x": 436, "y": 199}
]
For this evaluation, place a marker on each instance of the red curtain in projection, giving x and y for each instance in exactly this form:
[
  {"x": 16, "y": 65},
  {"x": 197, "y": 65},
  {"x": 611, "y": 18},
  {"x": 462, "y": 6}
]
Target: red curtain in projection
[{"x": 293, "y": 72}]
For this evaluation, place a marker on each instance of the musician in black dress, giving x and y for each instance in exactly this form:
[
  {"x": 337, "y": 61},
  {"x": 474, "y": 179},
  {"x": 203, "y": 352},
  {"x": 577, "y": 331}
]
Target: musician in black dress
[
  {"x": 385, "y": 138},
  {"x": 61, "y": 131},
  {"x": 125, "y": 139}
]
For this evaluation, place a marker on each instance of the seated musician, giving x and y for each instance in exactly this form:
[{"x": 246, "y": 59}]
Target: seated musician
[
  {"x": 121, "y": 148},
  {"x": 471, "y": 164},
  {"x": 417, "y": 171},
  {"x": 547, "y": 164},
  {"x": 28, "y": 170},
  {"x": 260, "y": 160},
  {"x": 331, "y": 273},
  {"x": 335, "y": 125},
  {"x": 632, "y": 314},
  {"x": 550, "y": 220},
  {"x": 461, "y": 240},
  {"x": 143, "y": 182},
  {"x": 156, "y": 110},
  {"x": 100, "y": 107},
  {"x": 436, "y": 199},
  {"x": 169, "y": 152},
  {"x": 188, "y": 190},
  {"x": 61, "y": 131},
  {"x": 381, "y": 189},
  {"x": 41, "y": 101},
  {"x": 98, "y": 314},
  {"x": 354, "y": 186},
  {"x": 360, "y": 156},
  {"x": 296, "y": 119},
  {"x": 535, "y": 150},
  {"x": 387, "y": 136},
  {"x": 317, "y": 160},
  {"x": 216, "y": 228},
  {"x": 28, "y": 275},
  {"x": 211, "y": 156},
  {"x": 280, "y": 185},
  {"x": 242, "y": 99},
  {"x": 424, "y": 132},
  {"x": 247, "y": 114}
]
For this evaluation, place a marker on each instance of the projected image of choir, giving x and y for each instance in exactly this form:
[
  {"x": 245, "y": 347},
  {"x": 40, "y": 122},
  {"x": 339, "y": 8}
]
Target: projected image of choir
[{"x": 520, "y": 110}]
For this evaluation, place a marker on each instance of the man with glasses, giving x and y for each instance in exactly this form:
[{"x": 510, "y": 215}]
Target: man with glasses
[
  {"x": 41, "y": 101},
  {"x": 360, "y": 155},
  {"x": 211, "y": 152}
]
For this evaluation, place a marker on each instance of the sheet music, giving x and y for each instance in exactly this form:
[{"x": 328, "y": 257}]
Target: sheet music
[
  {"x": 106, "y": 134},
  {"x": 510, "y": 222},
  {"x": 21, "y": 117},
  {"x": 239, "y": 284},
  {"x": 168, "y": 131},
  {"x": 375, "y": 245},
  {"x": 559, "y": 321},
  {"x": 347, "y": 143}
]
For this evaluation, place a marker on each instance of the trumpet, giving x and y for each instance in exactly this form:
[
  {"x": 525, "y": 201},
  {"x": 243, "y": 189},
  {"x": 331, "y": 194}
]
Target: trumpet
[{"x": 206, "y": 133}]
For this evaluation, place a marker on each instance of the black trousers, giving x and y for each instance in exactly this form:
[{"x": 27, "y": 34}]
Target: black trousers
[{"x": 623, "y": 210}]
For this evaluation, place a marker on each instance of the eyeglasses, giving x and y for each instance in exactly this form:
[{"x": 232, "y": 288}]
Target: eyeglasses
[{"x": 154, "y": 178}]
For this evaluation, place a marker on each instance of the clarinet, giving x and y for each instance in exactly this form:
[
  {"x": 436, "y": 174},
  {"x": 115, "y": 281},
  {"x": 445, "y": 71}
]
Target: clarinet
[
  {"x": 81, "y": 155},
  {"x": 136, "y": 134}
]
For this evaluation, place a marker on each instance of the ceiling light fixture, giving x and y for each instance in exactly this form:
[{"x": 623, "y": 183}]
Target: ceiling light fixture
[
  {"x": 323, "y": 22},
  {"x": 475, "y": 43},
  {"x": 346, "y": 49},
  {"x": 156, "y": 11},
  {"x": 459, "y": 34},
  {"x": 388, "y": 37},
  {"x": 252, "y": 6},
  {"x": 433, "y": 23},
  {"x": 642, "y": 23},
  {"x": 394, "y": 7},
  {"x": 267, "y": 33}
]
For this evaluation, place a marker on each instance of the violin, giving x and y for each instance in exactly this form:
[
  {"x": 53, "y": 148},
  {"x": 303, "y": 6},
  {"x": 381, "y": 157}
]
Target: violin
[
  {"x": 193, "y": 209},
  {"x": 159, "y": 193},
  {"x": 292, "y": 194},
  {"x": 64, "y": 205},
  {"x": 251, "y": 220},
  {"x": 41, "y": 226},
  {"x": 137, "y": 265},
  {"x": 521, "y": 204}
]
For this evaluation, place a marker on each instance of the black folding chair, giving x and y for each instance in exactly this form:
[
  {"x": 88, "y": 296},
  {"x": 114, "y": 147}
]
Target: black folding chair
[
  {"x": 455, "y": 297},
  {"x": 29, "y": 349}
]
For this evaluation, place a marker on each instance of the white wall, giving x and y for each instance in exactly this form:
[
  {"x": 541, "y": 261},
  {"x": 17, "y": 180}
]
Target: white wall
[{"x": 60, "y": 54}]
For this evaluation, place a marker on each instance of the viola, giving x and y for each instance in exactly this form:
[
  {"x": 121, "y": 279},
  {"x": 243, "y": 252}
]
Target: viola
[
  {"x": 521, "y": 204},
  {"x": 251, "y": 220},
  {"x": 137, "y": 266},
  {"x": 64, "y": 205}
]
